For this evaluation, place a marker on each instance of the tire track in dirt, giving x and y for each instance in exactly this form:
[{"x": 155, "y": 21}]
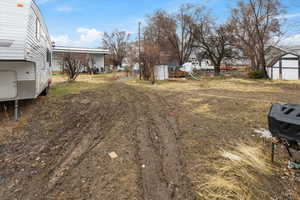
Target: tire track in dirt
[
  {"x": 76, "y": 137},
  {"x": 68, "y": 142},
  {"x": 158, "y": 151},
  {"x": 95, "y": 133}
]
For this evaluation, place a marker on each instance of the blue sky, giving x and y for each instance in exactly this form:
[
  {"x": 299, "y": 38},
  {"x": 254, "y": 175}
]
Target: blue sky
[{"x": 82, "y": 22}]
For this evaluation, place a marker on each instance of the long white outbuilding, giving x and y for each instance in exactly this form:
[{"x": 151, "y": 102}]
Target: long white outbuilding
[{"x": 94, "y": 56}]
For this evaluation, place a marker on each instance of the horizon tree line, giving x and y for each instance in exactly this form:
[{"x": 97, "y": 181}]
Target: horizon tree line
[{"x": 252, "y": 28}]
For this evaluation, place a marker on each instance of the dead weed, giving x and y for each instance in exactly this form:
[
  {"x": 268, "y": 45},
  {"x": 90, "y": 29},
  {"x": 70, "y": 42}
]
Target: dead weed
[{"x": 237, "y": 175}]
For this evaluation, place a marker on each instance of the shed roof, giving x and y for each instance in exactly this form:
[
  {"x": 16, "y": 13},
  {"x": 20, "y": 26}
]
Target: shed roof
[{"x": 80, "y": 50}]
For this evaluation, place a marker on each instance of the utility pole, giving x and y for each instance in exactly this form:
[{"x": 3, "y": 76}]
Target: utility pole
[{"x": 140, "y": 68}]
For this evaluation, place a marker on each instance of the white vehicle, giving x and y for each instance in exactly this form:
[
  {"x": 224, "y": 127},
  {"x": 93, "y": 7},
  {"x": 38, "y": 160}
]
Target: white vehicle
[
  {"x": 25, "y": 51},
  {"x": 189, "y": 67}
]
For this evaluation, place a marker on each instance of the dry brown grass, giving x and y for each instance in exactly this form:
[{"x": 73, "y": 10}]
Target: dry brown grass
[
  {"x": 61, "y": 86},
  {"x": 234, "y": 179},
  {"x": 221, "y": 112},
  {"x": 226, "y": 84}
]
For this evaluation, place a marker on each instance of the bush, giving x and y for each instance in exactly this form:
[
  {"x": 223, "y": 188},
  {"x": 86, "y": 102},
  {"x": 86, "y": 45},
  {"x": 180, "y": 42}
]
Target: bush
[{"x": 256, "y": 74}]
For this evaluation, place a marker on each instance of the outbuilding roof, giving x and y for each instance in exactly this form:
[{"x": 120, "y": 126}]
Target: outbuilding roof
[{"x": 80, "y": 50}]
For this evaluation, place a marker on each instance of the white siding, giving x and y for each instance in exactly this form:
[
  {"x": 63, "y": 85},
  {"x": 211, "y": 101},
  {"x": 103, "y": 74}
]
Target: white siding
[
  {"x": 290, "y": 64},
  {"x": 161, "y": 72},
  {"x": 269, "y": 71},
  {"x": 18, "y": 23},
  {"x": 8, "y": 84},
  {"x": 276, "y": 74},
  {"x": 12, "y": 28},
  {"x": 290, "y": 74},
  {"x": 58, "y": 60},
  {"x": 36, "y": 46},
  {"x": 25, "y": 70},
  {"x": 99, "y": 61},
  {"x": 290, "y": 68},
  {"x": 57, "y": 63}
]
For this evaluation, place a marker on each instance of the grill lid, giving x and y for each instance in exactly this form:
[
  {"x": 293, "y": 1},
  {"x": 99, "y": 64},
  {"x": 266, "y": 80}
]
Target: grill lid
[
  {"x": 289, "y": 113},
  {"x": 284, "y": 121}
]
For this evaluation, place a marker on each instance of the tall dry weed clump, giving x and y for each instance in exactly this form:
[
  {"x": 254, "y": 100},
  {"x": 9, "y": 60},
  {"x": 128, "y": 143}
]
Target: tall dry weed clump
[{"x": 237, "y": 176}]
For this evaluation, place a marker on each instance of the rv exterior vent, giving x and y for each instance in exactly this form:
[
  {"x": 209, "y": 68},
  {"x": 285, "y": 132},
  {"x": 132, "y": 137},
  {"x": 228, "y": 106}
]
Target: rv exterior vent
[{"x": 6, "y": 43}]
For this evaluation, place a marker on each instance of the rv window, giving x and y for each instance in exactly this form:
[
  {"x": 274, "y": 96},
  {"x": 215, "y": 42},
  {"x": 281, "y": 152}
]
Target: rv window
[
  {"x": 49, "y": 57},
  {"x": 38, "y": 30}
]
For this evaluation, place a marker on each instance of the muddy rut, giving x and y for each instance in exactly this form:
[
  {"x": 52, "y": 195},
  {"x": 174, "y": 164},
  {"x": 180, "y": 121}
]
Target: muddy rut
[{"x": 63, "y": 151}]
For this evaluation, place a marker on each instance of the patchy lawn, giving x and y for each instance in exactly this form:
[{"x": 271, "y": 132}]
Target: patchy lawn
[
  {"x": 220, "y": 115},
  {"x": 190, "y": 138}
]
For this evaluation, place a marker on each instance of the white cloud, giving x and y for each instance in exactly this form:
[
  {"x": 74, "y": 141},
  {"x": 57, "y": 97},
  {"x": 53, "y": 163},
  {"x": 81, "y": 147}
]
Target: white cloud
[
  {"x": 88, "y": 36},
  {"x": 84, "y": 37},
  {"x": 61, "y": 40},
  {"x": 64, "y": 8},
  {"x": 288, "y": 16},
  {"x": 293, "y": 40}
]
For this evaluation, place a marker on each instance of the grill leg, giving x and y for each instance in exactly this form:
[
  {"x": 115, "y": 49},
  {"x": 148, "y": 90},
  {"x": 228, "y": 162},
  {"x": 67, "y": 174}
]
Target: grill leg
[
  {"x": 273, "y": 151},
  {"x": 16, "y": 110},
  {"x": 289, "y": 152}
]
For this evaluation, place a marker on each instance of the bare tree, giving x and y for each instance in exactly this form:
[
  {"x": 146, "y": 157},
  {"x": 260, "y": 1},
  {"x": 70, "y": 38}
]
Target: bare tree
[
  {"x": 158, "y": 29},
  {"x": 214, "y": 41},
  {"x": 73, "y": 65},
  {"x": 255, "y": 25},
  {"x": 183, "y": 40},
  {"x": 149, "y": 58},
  {"x": 132, "y": 55},
  {"x": 89, "y": 63},
  {"x": 117, "y": 43},
  {"x": 174, "y": 32}
]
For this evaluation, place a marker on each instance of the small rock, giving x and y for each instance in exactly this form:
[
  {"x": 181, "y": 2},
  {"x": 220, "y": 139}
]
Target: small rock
[
  {"x": 263, "y": 133},
  {"x": 113, "y": 155},
  {"x": 85, "y": 101}
]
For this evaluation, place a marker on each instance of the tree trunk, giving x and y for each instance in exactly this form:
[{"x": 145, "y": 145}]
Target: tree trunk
[
  {"x": 153, "y": 76},
  {"x": 263, "y": 59},
  {"x": 253, "y": 64},
  {"x": 217, "y": 70}
]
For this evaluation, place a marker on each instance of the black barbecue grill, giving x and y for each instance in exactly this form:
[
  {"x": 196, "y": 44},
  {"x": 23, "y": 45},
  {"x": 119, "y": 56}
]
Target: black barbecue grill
[{"x": 284, "y": 124}]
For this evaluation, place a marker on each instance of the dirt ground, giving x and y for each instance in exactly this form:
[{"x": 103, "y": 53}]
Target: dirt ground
[{"x": 168, "y": 139}]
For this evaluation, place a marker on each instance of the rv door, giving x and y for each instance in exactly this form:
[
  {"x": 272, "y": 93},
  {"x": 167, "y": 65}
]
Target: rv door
[{"x": 8, "y": 85}]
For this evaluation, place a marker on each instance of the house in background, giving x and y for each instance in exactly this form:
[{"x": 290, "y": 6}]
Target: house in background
[{"x": 95, "y": 57}]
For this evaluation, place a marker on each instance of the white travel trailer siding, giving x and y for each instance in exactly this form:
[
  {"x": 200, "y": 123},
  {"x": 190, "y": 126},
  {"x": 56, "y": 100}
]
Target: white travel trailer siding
[{"x": 25, "y": 51}]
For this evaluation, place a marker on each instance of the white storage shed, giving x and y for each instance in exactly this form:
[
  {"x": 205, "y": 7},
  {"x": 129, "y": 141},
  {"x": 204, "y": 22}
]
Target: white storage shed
[
  {"x": 286, "y": 67},
  {"x": 161, "y": 72}
]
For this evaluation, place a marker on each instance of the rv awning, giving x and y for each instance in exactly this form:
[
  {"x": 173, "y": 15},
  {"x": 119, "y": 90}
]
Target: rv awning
[{"x": 80, "y": 50}]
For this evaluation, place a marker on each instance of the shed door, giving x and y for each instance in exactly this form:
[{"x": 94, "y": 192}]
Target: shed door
[{"x": 8, "y": 85}]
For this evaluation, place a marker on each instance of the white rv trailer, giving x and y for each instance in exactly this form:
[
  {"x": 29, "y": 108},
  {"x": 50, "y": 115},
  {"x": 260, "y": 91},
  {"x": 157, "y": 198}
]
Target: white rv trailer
[{"x": 25, "y": 51}]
